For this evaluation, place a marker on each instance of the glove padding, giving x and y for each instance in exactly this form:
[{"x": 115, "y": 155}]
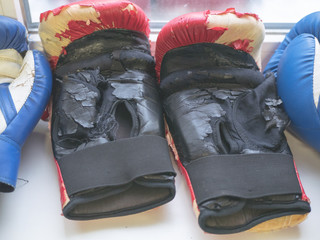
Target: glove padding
[
  {"x": 296, "y": 65},
  {"x": 25, "y": 88},
  {"x": 107, "y": 123},
  {"x": 227, "y": 125}
]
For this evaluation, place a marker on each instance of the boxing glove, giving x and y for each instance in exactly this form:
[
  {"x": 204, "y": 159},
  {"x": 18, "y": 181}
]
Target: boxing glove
[
  {"x": 226, "y": 123},
  {"x": 296, "y": 65},
  {"x": 13, "y": 35},
  {"x": 107, "y": 125},
  {"x": 25, "y": 88}
]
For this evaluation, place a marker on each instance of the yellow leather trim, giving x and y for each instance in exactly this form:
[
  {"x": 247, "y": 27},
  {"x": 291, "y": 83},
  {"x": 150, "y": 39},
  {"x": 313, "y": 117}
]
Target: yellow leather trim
[{"x": 279, "y": 223}]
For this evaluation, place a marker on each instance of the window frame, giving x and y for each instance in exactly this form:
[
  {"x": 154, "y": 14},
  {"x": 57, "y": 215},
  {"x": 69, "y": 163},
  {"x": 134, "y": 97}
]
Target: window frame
[{"x": 155, "y": 26}]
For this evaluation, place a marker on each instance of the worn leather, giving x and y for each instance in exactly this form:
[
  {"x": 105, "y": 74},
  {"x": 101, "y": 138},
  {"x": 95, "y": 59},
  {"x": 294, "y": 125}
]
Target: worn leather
[
  {"x": 105, "y": 94},
  {"x": 218, "y": 103}
]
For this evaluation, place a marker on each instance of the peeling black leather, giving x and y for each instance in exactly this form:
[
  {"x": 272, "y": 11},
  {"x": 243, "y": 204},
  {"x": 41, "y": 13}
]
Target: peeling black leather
[
  {"x": 217, "y": 102},
  {"x": 226, "y": 113},
  {"x": 96, "y": 76}
]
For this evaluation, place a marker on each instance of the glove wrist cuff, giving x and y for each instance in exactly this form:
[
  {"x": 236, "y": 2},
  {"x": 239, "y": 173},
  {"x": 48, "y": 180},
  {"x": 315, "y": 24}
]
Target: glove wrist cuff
[
  {"x": 117, "y": 186},
  {"x": 245, "y": 176},
  {"x": 258, "y": 187}
]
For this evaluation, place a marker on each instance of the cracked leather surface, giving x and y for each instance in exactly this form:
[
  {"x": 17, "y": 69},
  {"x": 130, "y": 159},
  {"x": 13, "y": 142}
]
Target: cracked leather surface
[
  {"x": 93, "y": 79},
  {"x": 224, "y": 111}
]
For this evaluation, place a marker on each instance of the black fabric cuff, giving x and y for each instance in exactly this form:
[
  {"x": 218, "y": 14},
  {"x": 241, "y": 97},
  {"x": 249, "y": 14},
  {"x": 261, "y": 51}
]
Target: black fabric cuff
[
  {"x": 260, "y": 186},
  {"x": 118, "y": 178},
  {"x": 243, "y": 175}
]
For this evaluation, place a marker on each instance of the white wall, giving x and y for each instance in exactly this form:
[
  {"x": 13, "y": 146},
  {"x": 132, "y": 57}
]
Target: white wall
[
  {"x": 11, "y": 8},
  {"x": 7, "y": 8}
]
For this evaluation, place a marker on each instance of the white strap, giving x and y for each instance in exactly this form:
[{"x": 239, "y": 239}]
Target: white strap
[{"x": 316, "y": 73}]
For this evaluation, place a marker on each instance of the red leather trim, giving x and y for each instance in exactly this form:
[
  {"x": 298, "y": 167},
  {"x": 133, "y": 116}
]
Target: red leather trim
[
  {"x": 304, "y": 197},
  {"x": 180, "y": 165},
  {"x": 112, "y": 15},
  {"x": 63, "y": 192}
]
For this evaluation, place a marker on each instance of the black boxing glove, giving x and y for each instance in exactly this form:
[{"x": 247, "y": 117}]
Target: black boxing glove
[
  {"x": 227, "y": 124},
  {"x": 107, "y": 126}
]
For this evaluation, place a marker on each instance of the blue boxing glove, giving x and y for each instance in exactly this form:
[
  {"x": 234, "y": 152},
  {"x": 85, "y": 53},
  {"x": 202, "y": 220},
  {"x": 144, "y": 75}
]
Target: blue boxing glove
[
  {"x": 13, "y": 35},
  {"x": 296, "y": 65},
  {"x": 25, "y": 88}
]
